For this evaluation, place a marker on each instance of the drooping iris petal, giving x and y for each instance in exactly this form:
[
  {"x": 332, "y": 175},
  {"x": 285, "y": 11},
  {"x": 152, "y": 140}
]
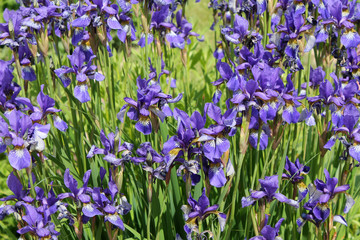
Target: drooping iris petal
[
  {"x": 291, "y": 115},
  {"x": 340, "y": 219},
  {"x": 19, "y": 158},
  {"x": 115, "y": 220},
  {"x": 28, "y": 73},
  {"x": 90, "y": 210},
  {"x": 42, "y": 232},
  {"x": 321, "y": 212},
  {"x": 222, "y": 220},
  {"x": 113, "y": 23},
  {"x": 216, "y": 175},
  {"x": 144, "y": 125},
  {"x": 81, "y": 93},
  {"x": 111, "y": 158},
  {"x": 82, "y": 21},
  {"x": 349, "y": 203},
  {"x": 247, "y": 201},
  {"x": 261, "y": 6},
  {"x": 253, "y": 139},
  {"x": 302, "y": 191},
  {"x": 59, "y": 123},
  {"x": 281, "y": 198},
  {"x": 350, "y": 39},
  {"x": 354, "y": 152}
]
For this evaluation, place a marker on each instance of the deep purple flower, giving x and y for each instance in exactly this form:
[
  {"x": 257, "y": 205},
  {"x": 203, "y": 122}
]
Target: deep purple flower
[
  {"x": 80, "y": 65},
  {"x": 214, "y": 138},
  {"x": 268, "y": 189},
  {"x": 151, "y": 102},
  {"x": 295, "y": 172},
  {"x": 38, "y": 224},
  {"x": 112, "y": 146},
  {"x": 268, "y": 232},
  {"x": 199, "y": 210},
  {"x": 105, "y": 201},
  {"x": 20, "y": 194}
]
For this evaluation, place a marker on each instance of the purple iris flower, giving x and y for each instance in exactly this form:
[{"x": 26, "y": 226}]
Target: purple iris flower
[
  {"x": 150, "y": 39},
  {"x": 219, "y": 52},
  {"x": 290, "y": 114},
  {"x": 126, "y": 5},
  {"x": 151, "y": 103},
  {"x": 9, "y": 90},
  {"x": 327, "y": 93},
  {"x": 92, "y": 14},
  {"x": 317, "y": 76},
  {"x": 351, "y": 138},
  {"x": 233, "y": 79},
  {"x": 147, "y": 156},
  {"x": 239, "y": 32},
  {"x": 246, "y": 98},
  {"x": 127, "y": 30},
  {"x": 295, "y": 172},
  {"x": 105, "y": 201},
  {"x": 199, "y": 210},
  {"x": 269, "y": 186},
  {"x": 62, "y": 24},
  {"x": 80, "y": 195},
  {"x": 80, "y": 65},
  {"x": 11, "y": 33},
  {"x": 319, "y": 196},
  {"x": 183, "y": 144},
  {"x": 268, "y": 232},
  {"x": 214, "y": 137},
  {"x": 214, "y": 170},
  {"x": 19, "y": 156},
  {"x": 350, "y": 38},
  {"x": 179, "y": 35},
  {"x": 112, "y": 146},
  {"x": 161, "y": 18},
  {"x": 145, "y": 153},
  {"x": 328, "y": 188},
  {"x": 47, "y": 104},
  {"x": 38, "y": 224},
  {"x": 37, "y": 218},
  {"x": 20, "y": 194}
]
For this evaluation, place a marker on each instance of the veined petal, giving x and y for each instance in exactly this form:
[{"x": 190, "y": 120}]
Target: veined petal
[
  {"x": 321, "y": 212},
  {"x": 81, "y": 93},
  {"x": 354, "y": 152},
  {"x": 216, "y": 175},
  {"x": 28, "y": 73},
  {"x": 302, "y": 191},
  {"x": 82, "y": 21},
  {"x": 349, "y": 203},
  {"x": 253, "y": 139},
  {"x": 350, "y": 39},
  {"x": 247, "y": 201},
  {"x": 222, "y": 220},
  {"x": 290, "y": 115},
  {"x": 113, "y": 23},
  {"x": 144, "y": 125},
  {"x": 115, "y": 220},
  {"x": 90, "y": 210},
  {"x": 59, "y": 123},
  {"x": 19, "y": 158},
  {"x": 340, "y": 219}
]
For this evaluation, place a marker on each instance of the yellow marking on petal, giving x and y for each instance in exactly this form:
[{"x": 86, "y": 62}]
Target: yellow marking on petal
[
  {"x": 174, "y": 152},
  {"x": 301, "y": 186}
]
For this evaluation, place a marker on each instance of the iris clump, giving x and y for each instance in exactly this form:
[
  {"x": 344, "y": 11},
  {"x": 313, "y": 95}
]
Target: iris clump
[{"x": 139, "y": 119}]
